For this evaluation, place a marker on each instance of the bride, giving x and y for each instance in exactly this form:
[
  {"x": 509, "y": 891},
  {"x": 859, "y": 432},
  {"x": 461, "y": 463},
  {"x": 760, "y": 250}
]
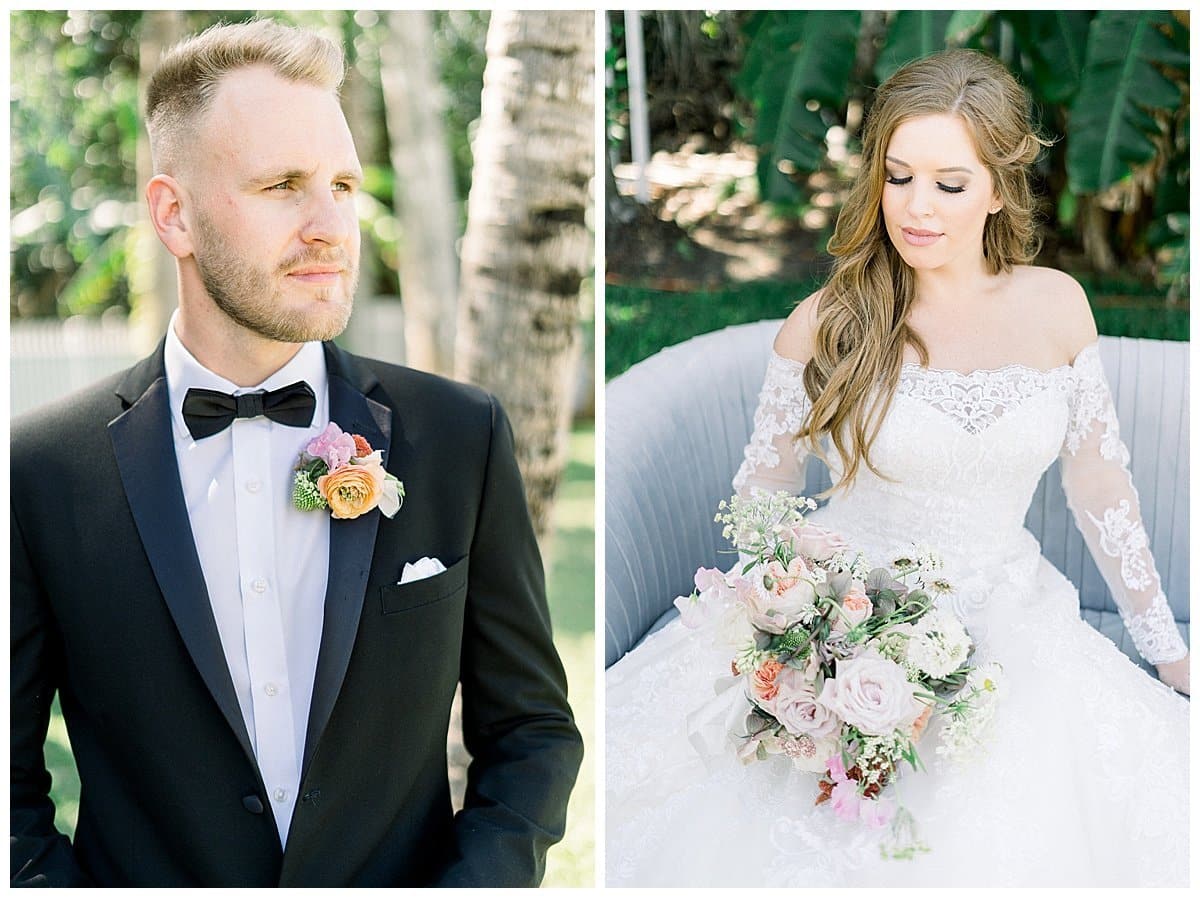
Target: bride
[{"x": 940, "y": 376}]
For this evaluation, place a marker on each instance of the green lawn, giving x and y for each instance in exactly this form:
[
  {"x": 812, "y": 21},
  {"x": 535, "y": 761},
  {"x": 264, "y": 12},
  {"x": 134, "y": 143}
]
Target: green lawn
[
  {"x": 639, "y": 321},
  {"x": 570, "y": 563}
]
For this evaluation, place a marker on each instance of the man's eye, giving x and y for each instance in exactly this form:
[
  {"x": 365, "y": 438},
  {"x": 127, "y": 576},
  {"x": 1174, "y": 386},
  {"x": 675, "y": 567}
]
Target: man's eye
[
  {"x": 892, "y": 179},
  {"x": 282, "y": 185},
  {"x": 343, "y": 186}
]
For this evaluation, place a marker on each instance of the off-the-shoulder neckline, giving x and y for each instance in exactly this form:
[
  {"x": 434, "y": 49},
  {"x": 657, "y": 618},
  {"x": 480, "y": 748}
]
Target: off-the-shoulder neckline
[{"x": 1015, "y": 366}]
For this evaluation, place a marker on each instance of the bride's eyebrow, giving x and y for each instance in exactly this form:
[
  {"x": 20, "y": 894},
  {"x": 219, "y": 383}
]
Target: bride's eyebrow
[{"x": 952, "y": 168}]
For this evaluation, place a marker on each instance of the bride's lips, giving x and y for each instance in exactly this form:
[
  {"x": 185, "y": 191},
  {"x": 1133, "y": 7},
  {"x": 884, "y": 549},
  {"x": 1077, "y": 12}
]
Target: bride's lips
[{"x": 918, "y": 237}]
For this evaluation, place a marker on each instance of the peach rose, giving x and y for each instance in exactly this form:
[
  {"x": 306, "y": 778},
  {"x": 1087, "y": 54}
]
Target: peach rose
[
  {"x": 352, "y": 490},
  {"x": 763, "y": 680},
  {"x": 856, "y": 608},
  {"x": 921, "y": 722}
]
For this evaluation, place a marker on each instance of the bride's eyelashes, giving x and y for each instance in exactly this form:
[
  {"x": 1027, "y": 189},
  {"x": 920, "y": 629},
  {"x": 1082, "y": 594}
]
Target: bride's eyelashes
[{"x": 947, "y": 188}]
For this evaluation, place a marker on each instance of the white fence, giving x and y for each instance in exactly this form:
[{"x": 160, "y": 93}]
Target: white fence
[{"x": 55, "y": 358}]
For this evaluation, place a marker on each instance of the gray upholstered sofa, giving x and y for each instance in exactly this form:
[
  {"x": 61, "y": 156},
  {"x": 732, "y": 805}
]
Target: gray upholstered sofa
[{"x": 676, "y": 424}]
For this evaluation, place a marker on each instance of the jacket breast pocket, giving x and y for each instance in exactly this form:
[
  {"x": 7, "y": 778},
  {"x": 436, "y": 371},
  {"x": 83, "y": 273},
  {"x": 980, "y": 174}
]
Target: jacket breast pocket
[{"x": 407, "y": 596}]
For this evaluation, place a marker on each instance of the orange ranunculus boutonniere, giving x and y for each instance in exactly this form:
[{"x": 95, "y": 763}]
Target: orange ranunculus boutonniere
[{"x": 340, "y": 471}]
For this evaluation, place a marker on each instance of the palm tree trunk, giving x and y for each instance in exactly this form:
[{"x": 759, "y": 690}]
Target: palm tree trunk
[
  {"x": 424, "y": 191},
  {"x": 528, "y": 245}
]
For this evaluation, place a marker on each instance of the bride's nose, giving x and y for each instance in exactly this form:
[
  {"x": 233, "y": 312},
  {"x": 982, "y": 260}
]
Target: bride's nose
[{"x": 920, "y": 200}]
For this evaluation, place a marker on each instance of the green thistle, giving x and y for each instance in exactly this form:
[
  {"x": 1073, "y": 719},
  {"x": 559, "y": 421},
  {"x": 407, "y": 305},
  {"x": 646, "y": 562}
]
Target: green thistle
[{"x": 305, "y": 495}]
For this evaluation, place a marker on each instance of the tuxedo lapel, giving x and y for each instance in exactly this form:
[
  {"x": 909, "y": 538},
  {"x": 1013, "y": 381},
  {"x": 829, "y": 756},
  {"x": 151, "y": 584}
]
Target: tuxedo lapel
[
  {"x": 351, "y": 543},
  {"x": 145, "y": 454}
]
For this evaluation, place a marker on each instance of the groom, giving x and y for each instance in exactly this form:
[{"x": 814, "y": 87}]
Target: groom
[{"x": 258, "y": 695}]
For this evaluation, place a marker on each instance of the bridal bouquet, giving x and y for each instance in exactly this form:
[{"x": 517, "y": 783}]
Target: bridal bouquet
[{"x": 843, "y": 665}]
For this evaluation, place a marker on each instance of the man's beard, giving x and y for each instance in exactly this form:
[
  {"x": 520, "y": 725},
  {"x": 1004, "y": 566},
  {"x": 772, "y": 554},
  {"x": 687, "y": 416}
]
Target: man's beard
[{"x": 249, "y": 295}]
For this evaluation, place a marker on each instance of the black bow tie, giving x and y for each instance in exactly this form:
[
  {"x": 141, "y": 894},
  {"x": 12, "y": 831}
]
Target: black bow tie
[{"x": 210, "y": 411}]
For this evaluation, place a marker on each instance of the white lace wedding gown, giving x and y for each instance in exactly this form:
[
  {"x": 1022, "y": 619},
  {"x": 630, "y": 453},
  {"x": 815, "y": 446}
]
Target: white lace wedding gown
[{"x": 1085, "y": 779}]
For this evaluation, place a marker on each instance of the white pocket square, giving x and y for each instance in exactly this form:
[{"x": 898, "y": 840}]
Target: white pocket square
[{"x": 419, "y": 570}]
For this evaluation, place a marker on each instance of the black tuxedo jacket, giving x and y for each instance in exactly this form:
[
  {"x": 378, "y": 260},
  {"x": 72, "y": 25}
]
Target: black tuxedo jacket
[{"x": 109, "y": 608}]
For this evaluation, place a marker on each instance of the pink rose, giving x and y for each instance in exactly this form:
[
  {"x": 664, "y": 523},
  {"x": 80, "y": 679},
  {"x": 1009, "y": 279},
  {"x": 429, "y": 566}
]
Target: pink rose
[
  {"x": 813, "y": 541},
  {"x": 871, "y": 693},
  {"x": 775, "y": 609},
  {"x": 795, "y": 705}
]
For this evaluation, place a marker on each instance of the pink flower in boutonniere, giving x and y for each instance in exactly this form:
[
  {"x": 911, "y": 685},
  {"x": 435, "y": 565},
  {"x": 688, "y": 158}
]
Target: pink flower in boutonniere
[{"x": 340, "y": 471}]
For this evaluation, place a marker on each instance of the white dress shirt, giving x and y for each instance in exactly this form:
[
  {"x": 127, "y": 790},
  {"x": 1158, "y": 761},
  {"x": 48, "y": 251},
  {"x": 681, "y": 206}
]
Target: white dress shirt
[{"x": 265, "y": 563}]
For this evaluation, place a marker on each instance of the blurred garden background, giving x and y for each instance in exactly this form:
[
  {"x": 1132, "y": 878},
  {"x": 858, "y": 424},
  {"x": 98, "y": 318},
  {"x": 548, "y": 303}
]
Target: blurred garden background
[
  {"x": 718, "y": 212},
  {"x": 476, "y": 134}
]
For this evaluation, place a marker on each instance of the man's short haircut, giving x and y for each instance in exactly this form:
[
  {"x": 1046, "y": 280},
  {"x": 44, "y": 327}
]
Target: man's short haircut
[{"x": 182, "y": 87}]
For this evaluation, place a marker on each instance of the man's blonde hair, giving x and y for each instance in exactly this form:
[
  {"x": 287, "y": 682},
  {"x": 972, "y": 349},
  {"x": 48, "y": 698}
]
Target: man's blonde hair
[{"x": 182, "y": 87}]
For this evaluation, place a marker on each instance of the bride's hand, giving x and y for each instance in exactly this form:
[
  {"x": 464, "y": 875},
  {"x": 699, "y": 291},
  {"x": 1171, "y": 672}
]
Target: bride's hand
[{"x": 1175, "y": 675}]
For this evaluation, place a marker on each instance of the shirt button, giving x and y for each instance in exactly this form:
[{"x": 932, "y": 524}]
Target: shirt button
[
  {"x": 281, "y": 795},
  {"x": 253, "y": 486},
  {"x": 271, "y": 689},
  {"x": 259, "y": 585}
]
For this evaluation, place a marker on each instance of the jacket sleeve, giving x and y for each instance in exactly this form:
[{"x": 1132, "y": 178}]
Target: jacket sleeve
[
  {"x": 774, "y": 459},
  {"x": 39, "y": 854},
  {"x": 517, "y": 725},
  {"x": 1104, "y": 502}
]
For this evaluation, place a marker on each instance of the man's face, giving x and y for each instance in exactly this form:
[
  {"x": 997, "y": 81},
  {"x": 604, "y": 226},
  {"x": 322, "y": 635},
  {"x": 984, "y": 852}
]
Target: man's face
[{"x": 272, "y": 181}]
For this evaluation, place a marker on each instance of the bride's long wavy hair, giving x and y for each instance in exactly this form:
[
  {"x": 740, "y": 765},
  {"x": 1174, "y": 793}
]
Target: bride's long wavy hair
[{"x": 862, "y": 323}]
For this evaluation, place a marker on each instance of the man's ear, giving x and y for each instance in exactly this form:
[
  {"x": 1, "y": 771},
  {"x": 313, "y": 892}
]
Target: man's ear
[{"x": 166, "y": 199}]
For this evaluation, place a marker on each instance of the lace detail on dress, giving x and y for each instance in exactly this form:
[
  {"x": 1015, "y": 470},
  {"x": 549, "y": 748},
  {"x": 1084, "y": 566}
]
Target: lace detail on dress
[
  {"x": 1091, "y": 404},
  {"x": 978, "y": 399},
  {"x": 1155, "y": 634},
  {"x": 783, "y": 405},
  {"x": 1125, "y": 539},
  {"x": 1101, "y": 493}
]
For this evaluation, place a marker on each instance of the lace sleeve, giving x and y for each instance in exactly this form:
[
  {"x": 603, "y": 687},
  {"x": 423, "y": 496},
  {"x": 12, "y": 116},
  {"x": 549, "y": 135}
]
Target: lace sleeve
[
  {"x": 1104, "y": 502},
  {"x": 774, "y": 460}
]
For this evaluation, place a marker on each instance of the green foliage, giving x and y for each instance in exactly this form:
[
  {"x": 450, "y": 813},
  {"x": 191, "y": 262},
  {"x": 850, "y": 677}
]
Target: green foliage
[
  {"x": 640, "y": 321},
  {"x": 75, "y": 127},
  {"x": 913, "y": 33},
  {"x": 796, "y": 69},
  {"x": 1114, "y": 119},
  {"x": 1109, "y": 87},
  {"x": 73, "y": 142}
]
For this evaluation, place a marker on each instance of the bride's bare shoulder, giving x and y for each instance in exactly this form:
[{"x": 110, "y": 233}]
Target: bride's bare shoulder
[
  {"x": 1059, "y": 304},
  {"x": 795, "y": 339}
]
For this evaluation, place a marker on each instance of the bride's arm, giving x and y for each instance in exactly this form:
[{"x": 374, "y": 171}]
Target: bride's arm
[
  {"x": 773, "y": 459},
  {"x": 1104, "y": 501}
]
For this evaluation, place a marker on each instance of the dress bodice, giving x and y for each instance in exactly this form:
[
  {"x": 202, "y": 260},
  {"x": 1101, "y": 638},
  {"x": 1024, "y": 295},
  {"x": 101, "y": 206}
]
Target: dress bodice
[{"x": 960, "y": 456}]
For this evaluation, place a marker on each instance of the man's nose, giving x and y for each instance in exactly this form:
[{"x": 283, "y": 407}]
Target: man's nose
[{"x": 329, "y": 218}]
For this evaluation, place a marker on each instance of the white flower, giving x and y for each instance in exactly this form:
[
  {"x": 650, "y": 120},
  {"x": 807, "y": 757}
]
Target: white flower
[{"x": 938, "y": 644}]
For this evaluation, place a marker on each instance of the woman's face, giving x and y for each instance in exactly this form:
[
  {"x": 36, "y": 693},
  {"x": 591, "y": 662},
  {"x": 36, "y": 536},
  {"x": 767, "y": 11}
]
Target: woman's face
[{"x": 937, "y": 194}]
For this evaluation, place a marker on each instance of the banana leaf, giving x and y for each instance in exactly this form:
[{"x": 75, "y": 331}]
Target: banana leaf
[
  {"x": 912, "y": 34},
  {"x": 1055, "y": 44},
  {"x": 1111, "y": 125},
  {"x": 797, "y": 67}
]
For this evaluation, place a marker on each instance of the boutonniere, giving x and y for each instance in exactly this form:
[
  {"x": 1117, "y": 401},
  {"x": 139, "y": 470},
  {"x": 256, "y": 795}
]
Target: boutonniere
[{"x": 340, "y": 471}]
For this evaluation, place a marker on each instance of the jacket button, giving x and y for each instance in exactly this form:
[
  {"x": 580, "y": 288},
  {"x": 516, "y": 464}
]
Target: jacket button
[{"x": 253, "y": 804}]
